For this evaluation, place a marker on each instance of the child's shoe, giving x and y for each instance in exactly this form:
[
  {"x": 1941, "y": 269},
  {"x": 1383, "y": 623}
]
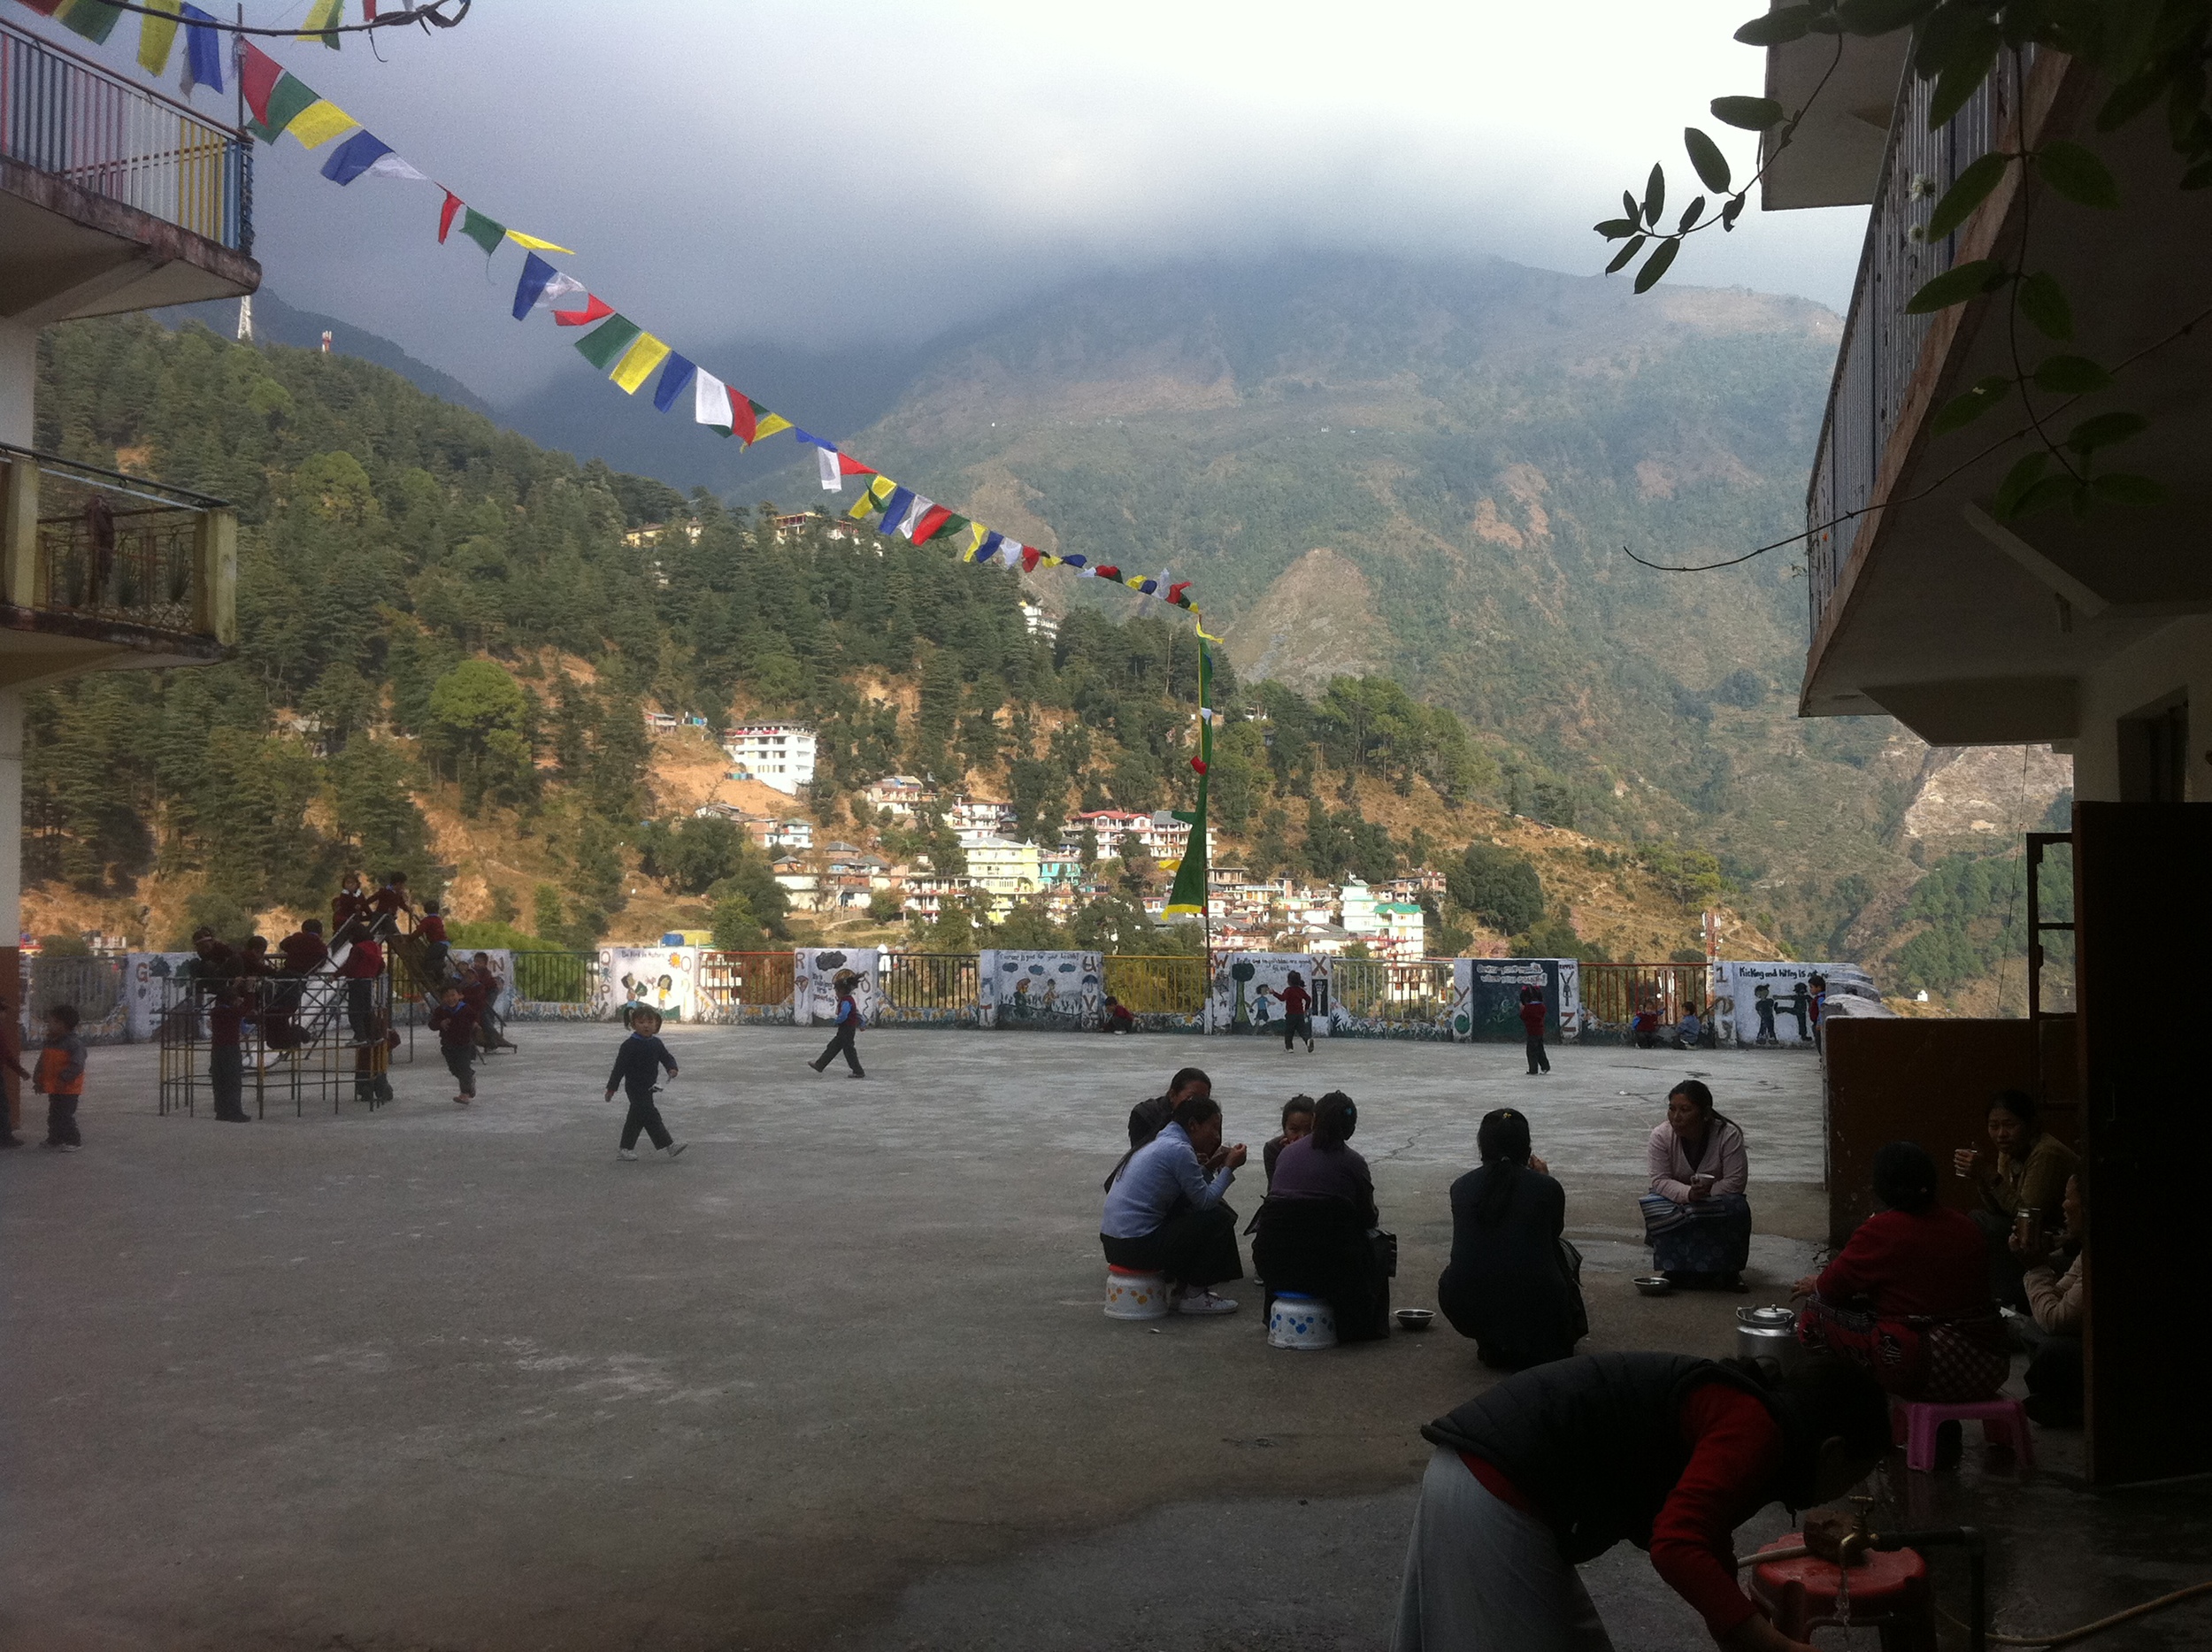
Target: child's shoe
[
  {"x": 675, "y": 1148},
  {"x": 627, "y": 1153}
]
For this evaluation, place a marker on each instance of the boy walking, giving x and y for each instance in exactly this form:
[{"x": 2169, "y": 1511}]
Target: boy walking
[
  {"x": 638, "y": 1064},
  {"x": 60, "y": 1077},
  {"x": 454, "y": 1021},
  {"x": 1531, "y": 1013},
  {"x": 847, "y": 1026},
  {"x": 1297, "y": 1013}
]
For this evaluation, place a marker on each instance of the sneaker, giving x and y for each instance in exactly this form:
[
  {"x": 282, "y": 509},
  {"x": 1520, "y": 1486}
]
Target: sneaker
[
  {"x": 855, "y": 1075},
  {"x": 71, "y": 1147},
  {"x": 1204, "y": 1302},
  {"x": 627, "y": 1153},
  {"x": 675, "y": 1148},
  {"x": 463, "y": 1101}
]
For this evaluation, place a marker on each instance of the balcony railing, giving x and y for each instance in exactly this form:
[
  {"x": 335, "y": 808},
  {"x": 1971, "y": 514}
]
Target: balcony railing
[
  {"x": 62, "y": 115},
  {"x": 99, "y": 546},
  {"x": 1882, "y": 345}
]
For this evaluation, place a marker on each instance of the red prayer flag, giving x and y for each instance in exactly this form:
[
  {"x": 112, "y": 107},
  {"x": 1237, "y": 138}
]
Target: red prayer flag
[
  {"x": 447, "y": 214},
  {"x": 1175, "y": 592},
  {"x": 934, "y": 519},
  {"x": 258, "y": 74},
  {"x": 847, "y": 465},
  {"x": 743, "y": 425},
  {"x": 595, "y": 309},
  {"x": 368, "y": 11},
  {"x": 1030, "y": 554},
  {"x": 44, "y": 8}
]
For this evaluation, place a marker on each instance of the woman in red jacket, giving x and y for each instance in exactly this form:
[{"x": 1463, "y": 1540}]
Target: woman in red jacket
[{"x": 1908, "y": 1297}]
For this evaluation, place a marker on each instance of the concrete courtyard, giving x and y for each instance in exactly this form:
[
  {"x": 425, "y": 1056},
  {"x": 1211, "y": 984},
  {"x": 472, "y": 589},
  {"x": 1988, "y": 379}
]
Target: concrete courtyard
[{"x": 458, "y": 1379}]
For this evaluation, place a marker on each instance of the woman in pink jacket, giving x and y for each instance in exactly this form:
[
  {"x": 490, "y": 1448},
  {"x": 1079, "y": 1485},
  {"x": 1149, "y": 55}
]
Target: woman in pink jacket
[{"x": 1697, "y": 1219}]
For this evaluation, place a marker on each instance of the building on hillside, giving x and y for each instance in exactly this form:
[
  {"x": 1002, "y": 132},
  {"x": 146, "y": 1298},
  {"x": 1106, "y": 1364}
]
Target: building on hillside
[
  {"x": 1002, "y": 866},
  {"x": 1401, "y": 933},
  {"x": 797, "y": 877},
  {"x": 852, "y": 877},
  {"x": 792, "y": 833},
  {"x": 1356, "y": 905},
  {"x": 663, "y": 722},
  {"x": 980, "y": 817},
  {"x": 1328, "y": 940},
  {"x": 1162, "y": 836},
  {"x": 927, "y": 892},
  {"x": 1420, "y": 882},
  {"x": 1038, "y": 623},
  {"x": 2088, "y": 629},
  {"x": 901, "y": 795},
  {"x": 114, "y": 198},
  {"x": 778, "y": 755},
  {"x": 1059, "y": 868},
  {"x": 1305, "y": 905}
]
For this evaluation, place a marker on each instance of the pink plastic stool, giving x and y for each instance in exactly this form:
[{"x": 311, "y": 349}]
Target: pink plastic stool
[{"x": 1913, "y": 1424}]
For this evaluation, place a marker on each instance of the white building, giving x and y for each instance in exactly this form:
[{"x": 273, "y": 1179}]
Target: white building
[
  {"x": 1404, "y": 932},
  {"x": 901, "y": 795},
  {"x": 780, "y": 754},
  {"x": 1038, "y": 623},
  {"x": 974, "y": 818},
  {"x": 1357, "y": 904}
]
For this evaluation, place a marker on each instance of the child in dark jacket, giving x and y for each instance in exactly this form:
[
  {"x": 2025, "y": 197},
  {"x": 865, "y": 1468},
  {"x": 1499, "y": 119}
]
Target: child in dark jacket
[
  {"x": 454, "y": 1021},
  {"x": 847, "y": 1026},
  {"x": 637, "y": 1064}
]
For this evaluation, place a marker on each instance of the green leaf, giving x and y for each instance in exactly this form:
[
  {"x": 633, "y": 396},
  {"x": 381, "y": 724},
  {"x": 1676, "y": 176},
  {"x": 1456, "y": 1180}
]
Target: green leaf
[
  {"x": 1961, "y": 411},
  {"x": 2105, "y": 430},
  {"x": 1705, "y": 156},
  {"x": 2130, "y": 99},
  {"x": 2043, "y": 301},
  {"x": 1778, "y": 27},
  {"x": 1751, "y": 114},
  {"x": 2071, "y": 375},
  {"x": 1968, "y": 68},
  {"x": 2121, "y": 488},
  {"x": 2023, "y": 475},
  {"x": 2077, "y": 174},
  {"x": 2129, "y": 28},
  {"x": 1730, "y": 213},
  {"x": 1880, "y": 17},
  {"x": 1956, "y": 286},
  {"x": 1630, "y": 208},
  {"x": 2059, "y": 489},
  {"x": 1622, "y": 259},
  {"x": 1616, "y": 229},
  {"x": 1971, "y": 189},
  {"x": 1689, "y": 215},
  {"x": 1655, "y": 195},
  {"x": 1656, "y": 265}
]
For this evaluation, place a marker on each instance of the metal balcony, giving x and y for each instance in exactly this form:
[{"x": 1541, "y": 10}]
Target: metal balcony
[{"x": 103, "y": 570}]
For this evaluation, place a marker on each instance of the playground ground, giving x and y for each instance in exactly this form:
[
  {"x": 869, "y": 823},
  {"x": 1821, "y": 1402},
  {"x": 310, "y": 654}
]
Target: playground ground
[{"x": 456, "y": 1379}]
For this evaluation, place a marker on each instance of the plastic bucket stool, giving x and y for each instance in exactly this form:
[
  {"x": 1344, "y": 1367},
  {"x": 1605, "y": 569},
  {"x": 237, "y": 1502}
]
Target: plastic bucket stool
[
  {"x": 1300, "y": 1322},
  {"x": 1134, "y": 1295},
  {"x": 1891, "y": 1591}
]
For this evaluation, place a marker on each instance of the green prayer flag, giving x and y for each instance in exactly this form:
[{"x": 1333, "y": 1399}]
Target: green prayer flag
[
  {"x": 603, "y": 345},
  {"x": 326, "y": 14},
  {"x": 483, "y": 231},
  {"x": 1188, "y": 896},
  {"x": 94, "y": 20},
  {"x": 287, "y": 99}
]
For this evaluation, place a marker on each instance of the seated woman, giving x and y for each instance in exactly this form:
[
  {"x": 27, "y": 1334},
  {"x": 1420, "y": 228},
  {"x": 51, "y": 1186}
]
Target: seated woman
[
  {"x": 2055, "y": 1309},
  {"x": 2028, "y": 1172},
  {"x": 1908, "y": 1297},
  {"x": 1163, "y": 1206},
  {"x": 1297, "y": 1126},
  {"x": 1697, "y": 1219},
  {"x": 1514, "y": 1282},
  {"x": 1313, "y": 1230}
]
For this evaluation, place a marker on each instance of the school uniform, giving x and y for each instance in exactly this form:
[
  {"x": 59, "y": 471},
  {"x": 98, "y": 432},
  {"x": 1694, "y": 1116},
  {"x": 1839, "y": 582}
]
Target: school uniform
[
  {"x": 1533, "y": 1029},
  {"x": 1297, "y": 1017},
  {"x": 227, "y": 1059},
  {"x": 847, "y": 1026},
  {"x": 638, "y": 1064},
  {"x": 456, "y": 1026}
]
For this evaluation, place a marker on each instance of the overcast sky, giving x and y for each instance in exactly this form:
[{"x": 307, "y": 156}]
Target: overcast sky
[{"x": 830, "y": 175}]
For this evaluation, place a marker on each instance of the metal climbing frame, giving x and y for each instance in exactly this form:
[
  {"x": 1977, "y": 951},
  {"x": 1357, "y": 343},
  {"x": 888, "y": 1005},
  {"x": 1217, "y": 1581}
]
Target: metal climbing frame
[{"x": 317, "y": 1035}]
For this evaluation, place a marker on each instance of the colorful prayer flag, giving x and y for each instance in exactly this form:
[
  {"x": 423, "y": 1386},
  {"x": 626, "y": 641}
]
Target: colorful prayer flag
[
  {"x": 603, "y": 345},
  {"x": 326, "y": 14},
  {"x": 873, "y": 498},
  {"x": 157, "y": 36},
  {"x": 202, "y": 51},
  {"x": 594, "y": 309},
  {"x": 1187, "y": 897},
  {"x": 537, "y": 244},
  {"x": 986, "y": 546},
  {"x": 94, "y": 20},
  {"x": 928, "y": 522},
  {"x": 675, "y": 377},
  {"x": 355, "y": 156},
  {"x": 638, "y": 362},
  {"x": 392, "y": 166},
  {"x": 447, "y": 213},
  {"x": 711, "y": 402},
  {"x": 319, "y": 122},
  {"x": 537, "y": 275},
  {"x": 486, "y": 232},
  {"x": 257, "y": 75},
  {"x": 894, "y": 509}
]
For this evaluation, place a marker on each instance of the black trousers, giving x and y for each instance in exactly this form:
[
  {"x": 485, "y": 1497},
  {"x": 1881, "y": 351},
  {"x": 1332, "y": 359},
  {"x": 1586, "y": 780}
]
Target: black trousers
[
  {"x": 1295, "y": 1027},
  {"x": 361, "y": 1007},
  {"x": 841, "y": 1039},
  {"x": 1538, "y": 1061},
  {"x": 1192, "y": 1247},
  {"x": 644, "y": 1117},
  {"x": 61, "y": 1121},
  {"x": 1321, "y": 1248},
  {"x": 227, "y": 1077},
  {"x": 460, "y": 1060}
]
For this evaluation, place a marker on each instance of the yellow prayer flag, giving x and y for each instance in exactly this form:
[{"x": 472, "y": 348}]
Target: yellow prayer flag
[
  {"x": 873, "y": 498},
  {"x": 535, "y": 244},
  {"x": 326, "y": 14},
  {"x": 977, "y": 534},
  {"x": 638, "y": 361},
  {"x": 769, "y": 426},
  {"x": 157, "y": 35},
  {"x": 319, "y": 122}
]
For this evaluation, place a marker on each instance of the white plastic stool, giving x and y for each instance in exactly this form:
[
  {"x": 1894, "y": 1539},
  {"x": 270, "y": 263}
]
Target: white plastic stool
[
  {"x": 1134, "y": 1295},
  {"x": 1300, "y": 1322}
]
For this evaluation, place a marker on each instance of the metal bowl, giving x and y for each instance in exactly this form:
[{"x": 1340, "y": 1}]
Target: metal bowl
[
  {"x": 1415, "y": 1318},
  {"x": 1652, "y": 1285}
]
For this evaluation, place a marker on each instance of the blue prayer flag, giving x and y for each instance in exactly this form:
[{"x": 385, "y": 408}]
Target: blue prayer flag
[
  {"x": 895, "y": 510},
  {"x": 675, "y": 375},
  {"x": 536, "y": 273},
  {"x": 203, "y": 49},
  {"x": 988, "y": 548},
  {"x": 355, "y": 156}
]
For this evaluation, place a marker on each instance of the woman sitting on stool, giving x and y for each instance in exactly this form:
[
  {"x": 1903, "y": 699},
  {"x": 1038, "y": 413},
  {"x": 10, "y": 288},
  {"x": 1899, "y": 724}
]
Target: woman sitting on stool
[
  {"x": 1908, "y": 1297},
  {"x": 1313, "y": 1238},
  {"x": 1697, "y": 1219},
  {"x": 1514, "y": 1282},
  {"x": 1163, "y": 1208}
]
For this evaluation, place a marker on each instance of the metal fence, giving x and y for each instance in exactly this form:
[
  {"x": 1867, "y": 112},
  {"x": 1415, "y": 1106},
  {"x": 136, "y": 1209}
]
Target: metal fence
[
  {"x": 553, "y": 986},
  {"x": 753, "y": 988},
  {"x": 64, "y": 115},
  {"x": 1882, "y": 344},
  {"x": 1613, "y": 995},
  {"x": 113, "y": 547},
  {"x": 928, "y": 989},
  {"x": 1375, "y": 999},
  {"x": 1166, "y": 994},
  {"x": 93, "y": 985}
]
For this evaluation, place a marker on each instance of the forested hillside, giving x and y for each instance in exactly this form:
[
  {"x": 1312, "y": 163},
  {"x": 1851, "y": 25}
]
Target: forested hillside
[{"x": 449, "y": 636}]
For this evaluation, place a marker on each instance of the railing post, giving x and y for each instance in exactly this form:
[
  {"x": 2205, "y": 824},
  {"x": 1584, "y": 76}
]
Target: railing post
[
  {"x": 215, "y": 577},
  {"x": 19, "y": 567}
]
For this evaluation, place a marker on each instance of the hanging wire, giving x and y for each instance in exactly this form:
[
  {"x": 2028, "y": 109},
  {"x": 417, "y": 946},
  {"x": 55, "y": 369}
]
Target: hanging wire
[{"x": 431, "y": 14}]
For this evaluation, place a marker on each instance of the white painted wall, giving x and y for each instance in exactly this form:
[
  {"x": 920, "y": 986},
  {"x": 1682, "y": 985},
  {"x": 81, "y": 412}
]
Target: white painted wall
[{"x": 2179, "y": 657}]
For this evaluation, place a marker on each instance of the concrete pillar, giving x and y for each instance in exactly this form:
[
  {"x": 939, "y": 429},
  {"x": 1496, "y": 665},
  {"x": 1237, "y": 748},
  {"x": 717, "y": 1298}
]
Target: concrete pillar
[{"x": 19, "y": 378}]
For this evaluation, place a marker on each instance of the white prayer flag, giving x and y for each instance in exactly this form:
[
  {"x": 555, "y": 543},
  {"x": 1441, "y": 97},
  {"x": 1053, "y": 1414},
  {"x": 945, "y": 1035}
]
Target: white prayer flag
[
  {"x": 833, "y": 473},
  {"x": 711, "y": 402}
]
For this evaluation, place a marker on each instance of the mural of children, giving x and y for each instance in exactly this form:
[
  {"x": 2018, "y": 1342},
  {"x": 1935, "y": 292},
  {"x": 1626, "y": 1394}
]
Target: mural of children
[
  {"x": 1762, "y": 1002},
  {"x": 1801, "y": 1006}
]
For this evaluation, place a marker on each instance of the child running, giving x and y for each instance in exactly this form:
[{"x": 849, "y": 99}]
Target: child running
[
  {"x": 454, "y": 1021},
  {"x": 847, "y": 1026},
  {"x": 637, "y": 1063},
  {"x": 60, "y": 1077}
]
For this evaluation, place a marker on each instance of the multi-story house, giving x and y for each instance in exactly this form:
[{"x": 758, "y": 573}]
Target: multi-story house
[
  {"x": 1004, "y": 866},
  {"x": 113, "y": 198},
  {"x": 901, "y": 794},
  {"x": 778, "y": 755}
]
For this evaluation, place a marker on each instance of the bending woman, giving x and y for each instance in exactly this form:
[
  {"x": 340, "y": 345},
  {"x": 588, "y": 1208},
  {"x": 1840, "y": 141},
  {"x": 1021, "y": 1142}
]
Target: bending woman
[
  {"x": 1908, "y": 1297},
  {"x": 1697, "y": 1219},
  {"x": 1513, "y": 1284},
  {"x": 1165, "y": 1212},
  {"x": 1313, "y": 1230}
]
